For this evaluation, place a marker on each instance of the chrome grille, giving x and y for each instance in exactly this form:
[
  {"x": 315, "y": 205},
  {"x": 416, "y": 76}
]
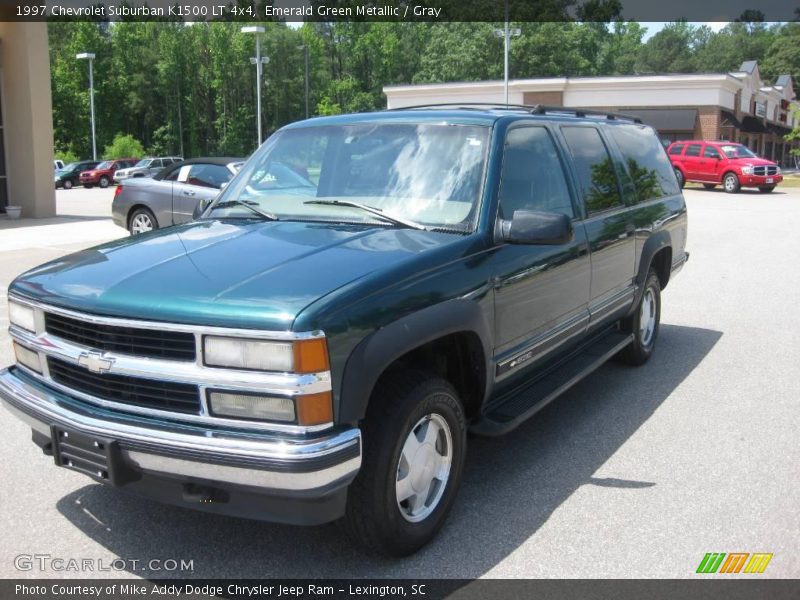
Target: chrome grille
[
  {"x": 135, "y": 391},
  {"x": 765, "y": 170},
  {"x": 152, "y": 343}
]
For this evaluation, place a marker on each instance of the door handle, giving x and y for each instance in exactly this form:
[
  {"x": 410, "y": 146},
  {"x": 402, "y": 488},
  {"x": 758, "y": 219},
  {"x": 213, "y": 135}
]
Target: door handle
[{"x": 188, "y": 193}]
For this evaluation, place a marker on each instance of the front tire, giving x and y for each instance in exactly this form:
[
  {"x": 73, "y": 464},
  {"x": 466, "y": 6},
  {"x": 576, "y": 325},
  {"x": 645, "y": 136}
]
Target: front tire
[
  {"x": 644, "y": 324},
  {"x": 142, "y": 220},
  {"x": 413, "y": 457},
  {"x": 67, "y": 184},
  {"x": 679, "y": 176},
  {"x": 731, "y": 183},
  {"x": 766, "y": 189},
  {"x": 104, "y": 182}
]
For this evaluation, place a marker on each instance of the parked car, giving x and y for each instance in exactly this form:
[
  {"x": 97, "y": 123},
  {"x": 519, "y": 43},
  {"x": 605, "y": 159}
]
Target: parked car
[
  {"x": 146, "y": 167},
  {"x": 58, "y": 164},
  {"x": 713, "y": 163},
  {"x": 363, "y": 292},
  {"x": 69, "y": 176},
  {"x": 103, "y": 174},
  {"x": 170, "y": 198}
]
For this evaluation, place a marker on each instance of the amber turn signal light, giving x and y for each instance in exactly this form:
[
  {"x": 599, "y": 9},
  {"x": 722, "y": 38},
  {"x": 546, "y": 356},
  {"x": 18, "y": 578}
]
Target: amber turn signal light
[
  {"x": 311, "y": 356},
  {"x": 314, "y": 409}
]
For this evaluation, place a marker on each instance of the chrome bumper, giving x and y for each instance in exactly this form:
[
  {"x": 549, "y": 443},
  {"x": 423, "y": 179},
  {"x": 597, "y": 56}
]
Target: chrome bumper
[{"x": 276, "y": 463}]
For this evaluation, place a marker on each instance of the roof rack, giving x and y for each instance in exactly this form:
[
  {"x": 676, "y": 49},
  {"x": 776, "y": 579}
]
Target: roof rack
[{"x": 534, "y": 109}]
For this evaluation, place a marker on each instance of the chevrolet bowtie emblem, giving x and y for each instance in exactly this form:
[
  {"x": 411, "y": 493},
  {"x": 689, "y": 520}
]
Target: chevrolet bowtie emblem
[{"x": 95, "y": 362}]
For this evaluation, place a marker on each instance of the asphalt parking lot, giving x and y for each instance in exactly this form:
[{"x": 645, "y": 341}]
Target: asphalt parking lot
[{"x": 633, "y": 473}]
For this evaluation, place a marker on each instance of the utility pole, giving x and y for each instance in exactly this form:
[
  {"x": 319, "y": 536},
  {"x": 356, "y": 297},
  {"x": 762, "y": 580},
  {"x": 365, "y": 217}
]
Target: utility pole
[
  {"x": 506, "y": 34},
  {"x": 90, "y": 57},
  {"x": 258, "y": 61}
]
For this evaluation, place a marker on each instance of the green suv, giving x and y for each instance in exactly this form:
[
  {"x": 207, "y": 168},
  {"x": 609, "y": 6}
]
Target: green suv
[{"x": 367, "y": 289}]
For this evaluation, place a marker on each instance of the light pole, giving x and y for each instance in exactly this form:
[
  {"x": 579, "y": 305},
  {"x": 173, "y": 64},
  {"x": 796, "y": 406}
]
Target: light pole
[
  {"x": 258, "y": 61},
  {"x": 304, "y": 48},
  {"x": 90, "y": 57},
  {"x": 506, "y": 34}
]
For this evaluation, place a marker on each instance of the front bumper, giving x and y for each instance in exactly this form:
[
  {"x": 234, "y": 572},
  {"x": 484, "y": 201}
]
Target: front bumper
[
  {"x": 268, "y": 476},
  {"x": 760, "y": 180}
]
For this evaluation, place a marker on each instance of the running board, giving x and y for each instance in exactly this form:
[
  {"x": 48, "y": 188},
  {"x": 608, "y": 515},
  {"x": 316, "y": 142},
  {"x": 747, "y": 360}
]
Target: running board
[{"x": 520, "y": 407}]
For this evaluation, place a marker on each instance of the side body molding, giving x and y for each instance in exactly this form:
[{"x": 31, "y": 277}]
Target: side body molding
[{"x": 377, "y": 351}]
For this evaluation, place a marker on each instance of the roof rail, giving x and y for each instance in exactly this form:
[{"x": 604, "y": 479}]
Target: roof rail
[
  {"x": 467, "y": 105},
  {"x": 534, "y": 109},
  {"x": 542, "y": 109}
]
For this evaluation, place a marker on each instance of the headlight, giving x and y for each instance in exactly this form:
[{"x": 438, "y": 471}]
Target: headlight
[
  {"x": 27, "y": 357},
  {"x": 302, "y": 356},
  {"x": 21, "y": 316},
  {"x": 778, "y": 172},
  {"x": 747, "y": 170}
]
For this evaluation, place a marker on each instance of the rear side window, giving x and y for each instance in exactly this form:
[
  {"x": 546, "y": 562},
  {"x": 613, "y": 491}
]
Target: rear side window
[
  {"x": 533, "y": 177},
  {"x": 645, "y": 162},
  {"x": 676, "y": 149},
  {"x": 693, "y": 150},
  {"x": 595, "y": 170}
]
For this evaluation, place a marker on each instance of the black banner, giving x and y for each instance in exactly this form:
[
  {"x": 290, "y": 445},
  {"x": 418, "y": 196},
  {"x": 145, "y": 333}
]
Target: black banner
[
  {"x": 710, "y": 588},
  {"x": 400, "y": 10}
]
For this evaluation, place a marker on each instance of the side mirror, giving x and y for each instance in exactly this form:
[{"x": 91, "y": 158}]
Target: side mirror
[
  {"x": 537, "y": 227},
  {"x": 200, "y": 208}
]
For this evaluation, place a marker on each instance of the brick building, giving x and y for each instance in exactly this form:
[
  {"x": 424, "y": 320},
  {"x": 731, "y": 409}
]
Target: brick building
[{"x": 735, "y": 106}]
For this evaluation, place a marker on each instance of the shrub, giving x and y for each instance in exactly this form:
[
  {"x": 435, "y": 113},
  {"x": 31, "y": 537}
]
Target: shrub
[{"x": 124, "y": 146}]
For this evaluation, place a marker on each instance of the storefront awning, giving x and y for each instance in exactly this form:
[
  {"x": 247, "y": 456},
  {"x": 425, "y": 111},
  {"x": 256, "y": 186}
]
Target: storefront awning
[
  {"x": 778, "y": 129},
  {"x": 670, "y": 119},
  {"x": 753, "y": 125},
  {"x": 729, "y": 120}
]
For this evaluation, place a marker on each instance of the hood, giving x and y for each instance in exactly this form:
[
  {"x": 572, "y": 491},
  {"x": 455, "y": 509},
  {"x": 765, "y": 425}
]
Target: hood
[
  {"x": 755, "y": 162},
  {"x": 229, "y": 273}
]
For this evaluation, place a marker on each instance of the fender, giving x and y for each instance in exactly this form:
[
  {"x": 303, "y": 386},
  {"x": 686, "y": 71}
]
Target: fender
[
  {"x": 377, "y": 351},
  {"x": 656, "y": 242}
]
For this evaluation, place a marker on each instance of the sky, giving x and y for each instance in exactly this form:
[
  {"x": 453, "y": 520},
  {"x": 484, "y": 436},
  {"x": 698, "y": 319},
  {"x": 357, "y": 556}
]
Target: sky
[{"x": 654, "y": 27}]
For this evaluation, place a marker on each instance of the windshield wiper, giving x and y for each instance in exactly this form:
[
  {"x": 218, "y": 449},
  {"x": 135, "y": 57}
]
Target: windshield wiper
[
  {"x": 370, "y": 209},
  {"x": 247, "y": 204}
]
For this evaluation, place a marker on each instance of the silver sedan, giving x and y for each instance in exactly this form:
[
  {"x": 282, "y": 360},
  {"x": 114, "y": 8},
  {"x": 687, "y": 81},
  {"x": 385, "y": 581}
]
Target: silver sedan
[{"x": 143, "y": 204}]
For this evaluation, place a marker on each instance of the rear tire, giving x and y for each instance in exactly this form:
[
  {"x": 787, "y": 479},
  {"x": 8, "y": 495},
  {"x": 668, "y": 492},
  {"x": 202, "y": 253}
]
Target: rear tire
[
  {"x": 644, "y": 324},
  {"x": 414, "y": 446},
  {"x": 709, "y": 186},
  {"x": 731, "y": 183},
  {"x": 104, "y": 182},
  {"x": 679, "y": 176},
  {"x": 142, "y": 220},
  {"x": 766, "y": 189}
]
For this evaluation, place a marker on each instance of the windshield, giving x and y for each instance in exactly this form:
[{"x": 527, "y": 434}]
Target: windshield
[
  {"x": 143, "y": 163},
  {"x": 431, "y": 174},
  {"x": 70, "y": 167},
  {"x": 738, "y": 151},
  {"x": 104, "y": 165}
]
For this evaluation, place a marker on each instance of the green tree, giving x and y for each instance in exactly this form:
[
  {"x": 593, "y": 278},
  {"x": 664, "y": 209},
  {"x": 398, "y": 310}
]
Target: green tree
[{"x": 124, "y": 146}]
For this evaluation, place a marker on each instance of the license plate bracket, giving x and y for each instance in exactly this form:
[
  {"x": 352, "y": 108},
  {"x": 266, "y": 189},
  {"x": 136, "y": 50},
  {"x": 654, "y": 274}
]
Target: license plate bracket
[{"x": 96, "y": 456}]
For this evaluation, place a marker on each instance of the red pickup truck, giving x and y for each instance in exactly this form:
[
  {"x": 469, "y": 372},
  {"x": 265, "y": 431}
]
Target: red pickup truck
[
  {"x": 103, "y": 174},
  {"x": 713, "y": 163}
]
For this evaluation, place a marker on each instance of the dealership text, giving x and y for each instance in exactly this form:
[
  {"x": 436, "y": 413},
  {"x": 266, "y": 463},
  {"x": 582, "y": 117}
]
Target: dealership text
[{"x": 233, "y": 589}]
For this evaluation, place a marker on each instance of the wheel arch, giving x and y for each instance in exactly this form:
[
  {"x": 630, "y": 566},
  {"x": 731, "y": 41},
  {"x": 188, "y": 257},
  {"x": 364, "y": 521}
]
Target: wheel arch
[
  {"x": 451, "y": 339},
  {"x": 136, "y": 207},
  {"x": 656, "y": 253}
]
